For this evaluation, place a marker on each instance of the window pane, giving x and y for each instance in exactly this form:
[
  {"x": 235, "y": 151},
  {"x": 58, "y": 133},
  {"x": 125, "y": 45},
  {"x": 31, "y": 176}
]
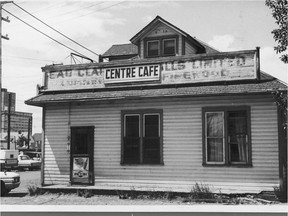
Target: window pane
[
  {"x": 214, "y": 136},
  {"x": 151, "y": 139},
  {"x": 153, "y": 48},
  {"x": 215, "y": 123},
  {"x": 215, "y": 150},
  {"x": 151, "y": 150},
  {"x": 169, "y": 47},
  {"x": 131, "y": 150},
  {"x": 132, "y": 126},
  {"x": 131, "y": 139},
  {"x": 151, "y": 125},
  {"x": 238, "y": 136}
]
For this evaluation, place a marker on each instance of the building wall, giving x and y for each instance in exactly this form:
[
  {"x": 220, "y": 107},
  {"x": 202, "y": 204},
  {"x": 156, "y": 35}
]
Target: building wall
[
  {"x": 189, "y": 50},
  {"x": 182, "y": 143}
]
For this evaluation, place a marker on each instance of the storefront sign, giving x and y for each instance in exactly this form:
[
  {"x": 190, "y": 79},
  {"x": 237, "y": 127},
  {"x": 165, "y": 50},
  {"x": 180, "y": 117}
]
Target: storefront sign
[
  {"x": 132, "y": 74},
  {"x": 242, "y": 65},
  {"x": 80, "y": 167},
  {"x": 207, "y": 70},
  {"x": 75, "y": 79}
]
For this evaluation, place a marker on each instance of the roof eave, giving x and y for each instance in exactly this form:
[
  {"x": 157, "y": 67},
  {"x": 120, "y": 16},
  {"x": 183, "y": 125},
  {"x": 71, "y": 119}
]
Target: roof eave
[{"x": 43, "y": 103}]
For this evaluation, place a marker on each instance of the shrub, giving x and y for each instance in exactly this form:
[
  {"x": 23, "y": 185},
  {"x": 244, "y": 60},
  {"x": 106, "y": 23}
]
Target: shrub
[
  {"x": 84, "y": 193},
  {"x": 202, "y": 192},
  {"x": 33, "y": 190}
]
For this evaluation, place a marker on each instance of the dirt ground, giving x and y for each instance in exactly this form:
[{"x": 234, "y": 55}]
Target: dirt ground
[{"x": 20, "y": 196}]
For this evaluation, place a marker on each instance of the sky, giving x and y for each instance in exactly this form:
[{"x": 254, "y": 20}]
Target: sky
[{"x": 97, "y": 25}]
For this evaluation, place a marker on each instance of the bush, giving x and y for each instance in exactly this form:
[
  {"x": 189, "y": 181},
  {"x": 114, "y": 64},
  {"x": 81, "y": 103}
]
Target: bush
[
  {"x": 33, "y": 190},
  {"x": 84, "y": 193},
  {"x": 202, "y": 192}
]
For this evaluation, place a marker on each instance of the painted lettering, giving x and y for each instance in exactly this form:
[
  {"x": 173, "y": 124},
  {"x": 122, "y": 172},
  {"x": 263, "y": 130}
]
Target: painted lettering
[
  {"x": 107, "y": 74},
  {"x": 80, "y": 73},
  {"x": 60, "y": 74}
]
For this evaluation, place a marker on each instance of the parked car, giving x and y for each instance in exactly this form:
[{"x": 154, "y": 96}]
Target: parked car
[
  {"x": 24, "y": 161},
  {"x": 34, "y": 155},
  {"x": 8, "y": 159},
  {"x": 9, "y": 181}
]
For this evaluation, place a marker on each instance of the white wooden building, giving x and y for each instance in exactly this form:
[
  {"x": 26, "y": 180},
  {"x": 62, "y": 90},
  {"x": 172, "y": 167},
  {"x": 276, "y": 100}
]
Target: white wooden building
[{"x": 162, "y": 113}]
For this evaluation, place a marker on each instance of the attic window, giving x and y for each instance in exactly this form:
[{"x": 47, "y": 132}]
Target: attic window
[
  {"x": 153, "y": 48},
  {"x": 169, "y": 47},
  {"x": 161, "y": 46}
]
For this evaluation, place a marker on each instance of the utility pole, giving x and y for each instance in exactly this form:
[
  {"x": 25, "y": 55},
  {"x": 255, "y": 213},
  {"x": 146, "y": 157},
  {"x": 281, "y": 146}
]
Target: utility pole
[
  {"x": 9, "y": 120},
  {"x": 4, "y": 37},
  {"x": 29, "y": 131}
]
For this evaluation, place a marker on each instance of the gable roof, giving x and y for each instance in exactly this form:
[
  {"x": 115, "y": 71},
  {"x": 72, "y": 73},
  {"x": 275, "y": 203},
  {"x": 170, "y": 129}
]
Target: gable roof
[{"x": 158, "y": 20}]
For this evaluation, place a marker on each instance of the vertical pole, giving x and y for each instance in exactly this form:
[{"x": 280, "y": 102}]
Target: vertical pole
[
  {"x": 9, "y": 119},
  {"x": 258, "y": 63},
  {"x": 29, "y": 122},
  {"x": 1, "y": 111},
  {"x": 1, "y": 73}
]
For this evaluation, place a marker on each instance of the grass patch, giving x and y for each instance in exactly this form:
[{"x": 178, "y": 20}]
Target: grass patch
[
  {"x": 33, "y": 190},
  {"x": 84, "y": 193}
]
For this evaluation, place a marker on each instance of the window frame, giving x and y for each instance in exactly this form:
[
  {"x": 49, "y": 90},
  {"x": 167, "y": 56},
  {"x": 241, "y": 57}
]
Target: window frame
[
  {"x": 227, "y": 160},
  {"x": 161, "y": 45},
  {"x": 159, "y": 48},
  {"x": 141, "y": 114}
]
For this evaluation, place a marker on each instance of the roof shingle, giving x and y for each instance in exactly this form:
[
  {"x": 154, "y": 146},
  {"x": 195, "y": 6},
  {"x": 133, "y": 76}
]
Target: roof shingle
[{"x": 260, "y": 87}]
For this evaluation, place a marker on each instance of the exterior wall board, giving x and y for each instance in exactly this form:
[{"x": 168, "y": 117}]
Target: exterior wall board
[
  {"x": 189, "y": 50},
  {"x": 182, "y": 143}
]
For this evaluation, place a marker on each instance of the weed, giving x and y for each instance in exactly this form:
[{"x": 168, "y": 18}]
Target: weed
[
  {"x": 169, "y": 195},
  {"x": 33, "y": 190},
  {"x": 202, "y": 192},
  {"x": 84, "y": 193},
  {"x": 281, "y": 193}
]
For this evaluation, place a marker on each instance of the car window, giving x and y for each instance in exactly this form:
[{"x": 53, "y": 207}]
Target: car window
[{"x": 25, "y": 157}]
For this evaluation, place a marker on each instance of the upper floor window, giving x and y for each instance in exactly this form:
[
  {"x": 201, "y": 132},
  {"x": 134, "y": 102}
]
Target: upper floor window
[
  {"x": 153, "y": 48},
  {"x": 161, "y": 47},
  {"x": 169, "y": 47}
]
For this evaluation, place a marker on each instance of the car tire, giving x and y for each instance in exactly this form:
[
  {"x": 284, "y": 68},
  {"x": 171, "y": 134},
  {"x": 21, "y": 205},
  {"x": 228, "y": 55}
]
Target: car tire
[{"x": 3, "y": 189}]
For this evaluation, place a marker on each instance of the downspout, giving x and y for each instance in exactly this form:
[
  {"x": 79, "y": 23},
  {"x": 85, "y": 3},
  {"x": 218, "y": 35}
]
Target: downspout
[{"x": 282, "y": 143}]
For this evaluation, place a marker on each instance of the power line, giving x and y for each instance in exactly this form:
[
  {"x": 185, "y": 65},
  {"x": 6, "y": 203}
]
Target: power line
[
  {"x": 55, "y": 29},
  {"x": 18, "y": 57},
  {"x": 78, "y": 9},
  {"x": 102, "y": 8},
  {"x": 46, "y": 34}
]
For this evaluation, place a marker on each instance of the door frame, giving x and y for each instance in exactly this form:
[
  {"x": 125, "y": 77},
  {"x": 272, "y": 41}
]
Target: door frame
[{"x": 91, "y": 176}]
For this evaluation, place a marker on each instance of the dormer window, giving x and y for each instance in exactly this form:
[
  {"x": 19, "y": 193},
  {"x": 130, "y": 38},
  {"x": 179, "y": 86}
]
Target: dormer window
[
  {"x": 153, "y": 48},
  {"x": 161, "y": 47},
  {"x": 169, "y": 47}
]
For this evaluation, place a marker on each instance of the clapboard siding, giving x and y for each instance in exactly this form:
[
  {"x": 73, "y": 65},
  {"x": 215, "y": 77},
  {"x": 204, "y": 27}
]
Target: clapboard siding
[{"x": 182, "y": 141}]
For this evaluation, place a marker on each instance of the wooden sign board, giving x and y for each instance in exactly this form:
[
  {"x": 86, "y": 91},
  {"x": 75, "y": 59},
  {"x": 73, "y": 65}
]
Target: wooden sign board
[
  {"x": 209, "y": 70},
  {"x": 243, "y": 65}
]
